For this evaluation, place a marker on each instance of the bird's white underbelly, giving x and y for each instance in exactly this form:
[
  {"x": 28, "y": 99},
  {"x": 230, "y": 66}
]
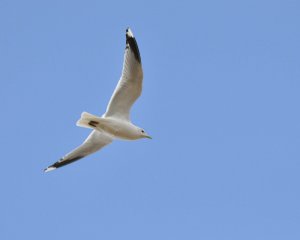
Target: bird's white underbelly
[{"x": 118, "y": 128}]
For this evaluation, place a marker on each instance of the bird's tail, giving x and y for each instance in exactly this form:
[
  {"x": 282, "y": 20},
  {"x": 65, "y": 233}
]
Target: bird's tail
[{"x": 88, "y": 120}]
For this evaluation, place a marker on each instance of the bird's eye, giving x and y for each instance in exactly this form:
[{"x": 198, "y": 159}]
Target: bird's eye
[{"x": 143, "y": 131}]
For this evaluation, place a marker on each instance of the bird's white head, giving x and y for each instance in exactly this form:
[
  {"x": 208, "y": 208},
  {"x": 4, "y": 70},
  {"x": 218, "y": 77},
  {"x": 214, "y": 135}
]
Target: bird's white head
[{"x": 143, "y": 134}]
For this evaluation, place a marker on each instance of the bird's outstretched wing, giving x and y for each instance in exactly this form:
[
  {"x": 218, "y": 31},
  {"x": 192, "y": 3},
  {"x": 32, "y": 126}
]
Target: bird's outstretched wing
[
  {"x": 95, "y": 141},
  {"x": 129, "y": 87}
]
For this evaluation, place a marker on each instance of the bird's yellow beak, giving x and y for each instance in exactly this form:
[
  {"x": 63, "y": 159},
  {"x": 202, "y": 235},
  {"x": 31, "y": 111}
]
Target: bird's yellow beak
[{"x": 148, "y": 137}]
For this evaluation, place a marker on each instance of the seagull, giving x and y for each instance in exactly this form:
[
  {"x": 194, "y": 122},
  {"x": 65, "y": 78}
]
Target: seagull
[{"x": 115, "y": 122}]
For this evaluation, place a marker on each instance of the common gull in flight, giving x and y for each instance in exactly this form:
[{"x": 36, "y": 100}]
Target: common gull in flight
[{"x": 115, "y": 122}]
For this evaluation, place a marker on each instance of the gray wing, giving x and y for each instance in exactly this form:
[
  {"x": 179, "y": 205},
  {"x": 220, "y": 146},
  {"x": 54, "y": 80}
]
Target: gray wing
[
  {"x": 129, "y": 87},
  {"x": 95, "y": 141}
]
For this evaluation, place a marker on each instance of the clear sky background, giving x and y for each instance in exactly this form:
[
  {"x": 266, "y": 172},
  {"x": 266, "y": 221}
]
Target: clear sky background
[{"x": 221, "y": 101}]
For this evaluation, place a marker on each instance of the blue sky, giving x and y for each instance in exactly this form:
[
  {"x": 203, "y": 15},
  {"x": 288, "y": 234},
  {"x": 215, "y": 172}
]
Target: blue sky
[{"x": 220, "y": 99}]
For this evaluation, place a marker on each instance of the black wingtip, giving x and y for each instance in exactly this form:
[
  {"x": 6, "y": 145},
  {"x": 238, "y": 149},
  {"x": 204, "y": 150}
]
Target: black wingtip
[
  {"x": 129, "y": 33},
  {"x": 131, "y": 42},
  {"x": 50, "y": 168},
  {"x": 62, "y": 162}
]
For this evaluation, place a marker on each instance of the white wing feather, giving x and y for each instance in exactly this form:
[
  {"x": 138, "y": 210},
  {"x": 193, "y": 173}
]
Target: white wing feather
[
  {"x": 95, "y": 141},
  {"x": 129, "y": 87}
]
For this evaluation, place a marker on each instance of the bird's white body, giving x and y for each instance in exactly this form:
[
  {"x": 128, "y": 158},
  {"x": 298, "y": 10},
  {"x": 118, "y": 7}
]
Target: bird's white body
[
  {"x": 115, "y": 127},
  {"x": 115, "y": 122}
]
